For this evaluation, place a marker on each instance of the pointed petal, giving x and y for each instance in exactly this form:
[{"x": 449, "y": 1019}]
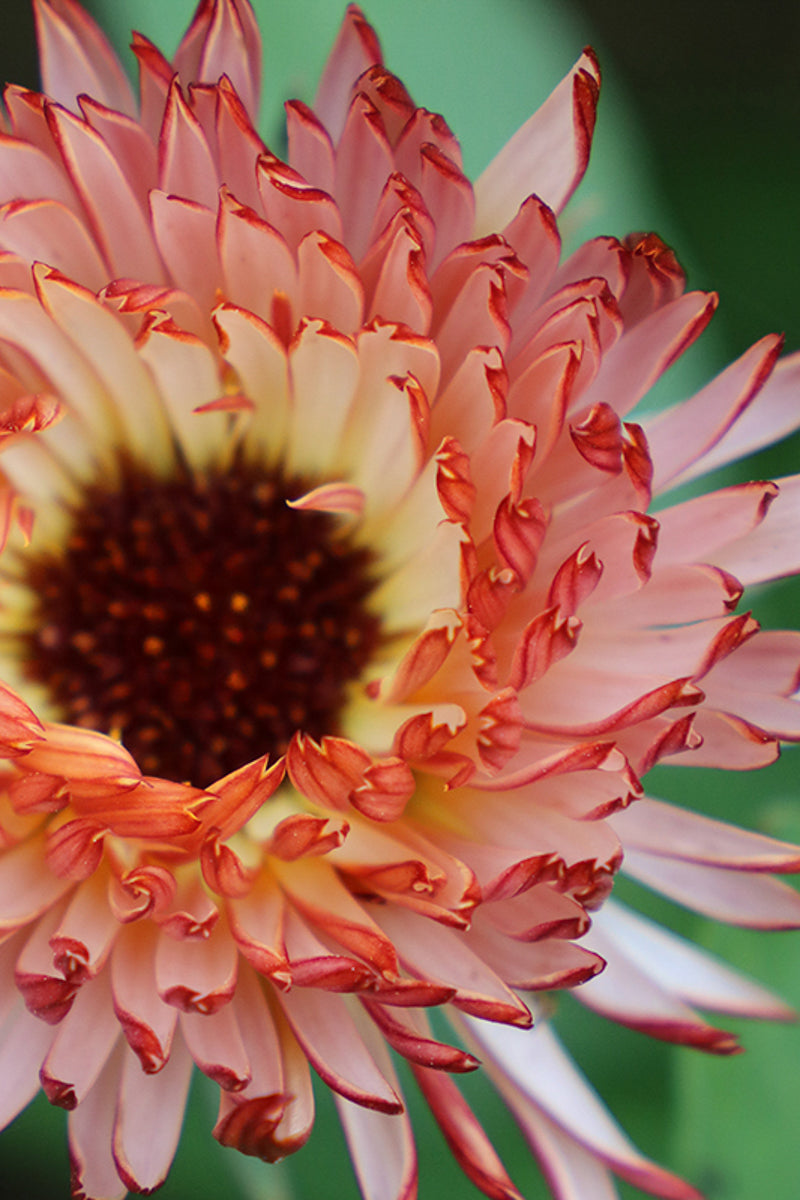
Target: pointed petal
[
  {"x": 547, "y": 156},
  {"x": 76, "y": 57}
]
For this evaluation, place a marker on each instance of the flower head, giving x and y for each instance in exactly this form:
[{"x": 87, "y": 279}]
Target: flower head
[{"x": 339, "y": 626}]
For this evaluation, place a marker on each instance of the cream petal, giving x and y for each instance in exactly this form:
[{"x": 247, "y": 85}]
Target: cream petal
[
  {"x": 324, "y": 373},
  {"x": 26, "y": 325},
  {"x": 105, "y": 343},
  {"x": 187, "y": 376},
  {"x": 260, "y": 361}
]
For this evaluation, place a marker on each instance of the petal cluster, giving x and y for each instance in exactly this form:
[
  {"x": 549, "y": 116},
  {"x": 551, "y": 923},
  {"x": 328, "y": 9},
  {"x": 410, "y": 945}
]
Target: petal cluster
[{"x": 554, "y": 623}]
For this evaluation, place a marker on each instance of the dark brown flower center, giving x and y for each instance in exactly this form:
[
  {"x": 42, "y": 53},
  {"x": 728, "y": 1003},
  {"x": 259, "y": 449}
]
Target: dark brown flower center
[{"x": 201, "y": 619}]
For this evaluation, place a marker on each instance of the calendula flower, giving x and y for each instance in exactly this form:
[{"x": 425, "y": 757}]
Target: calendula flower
[{"x": 338, "y": 629}]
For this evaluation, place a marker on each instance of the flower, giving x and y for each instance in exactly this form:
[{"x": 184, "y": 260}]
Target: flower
[{"x": 338, "y": 627}]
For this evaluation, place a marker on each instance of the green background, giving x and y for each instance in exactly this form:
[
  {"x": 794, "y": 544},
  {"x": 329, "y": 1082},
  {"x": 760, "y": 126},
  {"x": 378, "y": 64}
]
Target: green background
[{"x": 697, "y": 138}]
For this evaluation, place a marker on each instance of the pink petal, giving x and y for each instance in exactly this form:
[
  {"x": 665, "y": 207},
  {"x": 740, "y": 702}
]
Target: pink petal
[
  {"x": 442, "y": 955},
  {"x": 47, "y": 231},
  {"x": 147, "y": 1022},
  {"x": 148, "y": 1119},
  {"x": 91, "y": 1127},
  {"x": 467, "y": 1140},
  {"x": 27, "y": 887},
  {"x": 27, "y": 172},
  {"x": 410, "y": 1035},
  {"x": 693, "y": 974},
  {"x": 224, "y": 39},
  {"x": 770, "y": 552},
  {"x": 84, "y": 937},
  {"x": 251, "y": 251},
  {"x": 118, "y": 223},
  {"x": 82, "y": 1046},
  {"x": 680, "y": 439},
  {"x": 628, "y": 994},
  {"x": 535, "y": 1075},
  {"x": 355, "y": 49},
  {"x": 129, "y": 143},
  {"x": 214, "y": 1040},
  {"x": 364, "y": 162},
  {"x": 186, "y": 237},
  {"x": 24, "y": 1043},
  {"x": 324, "y": 1027},
  {"x": 740, "y": 898},
  {"x": 381, "y": 1146},
  {"x": 330, "y": 286},
  {"x": 771, "y": 417},
  {"x": 76, "y": 57},
  {"x": 665, "y": 829},
  {"x": 311, "y": 151},
  {"x": 634, "y": 364},
  {"x": 548, "y": 155},
  {"x": 197, "y": 974},
  {"x": 185, "y": 165}
]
